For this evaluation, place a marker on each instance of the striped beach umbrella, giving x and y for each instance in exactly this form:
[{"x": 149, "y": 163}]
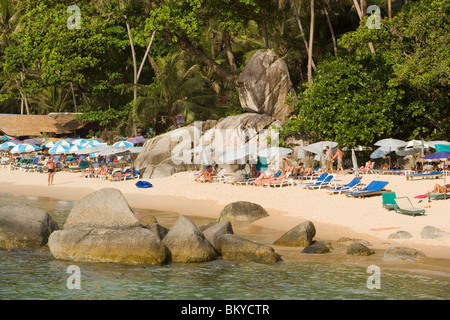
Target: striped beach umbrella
[
  {"x": 6, "y": 138},
  {"x": 25, "y": 148},
  {"x": 58, "y": 149},
  {"x": 75, "y": 148},
  {"x": 9, "y": 145},
  {"x": 63, "y": 143},
  {"x": 123, "y": 144},
  {"x": 79, "y": 142},
  {"x": 93, "y": 143}
]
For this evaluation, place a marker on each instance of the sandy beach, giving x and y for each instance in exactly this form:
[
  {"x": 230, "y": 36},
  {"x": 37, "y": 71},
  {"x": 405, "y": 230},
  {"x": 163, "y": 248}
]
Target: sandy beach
[{"x": 335, "y": 216}]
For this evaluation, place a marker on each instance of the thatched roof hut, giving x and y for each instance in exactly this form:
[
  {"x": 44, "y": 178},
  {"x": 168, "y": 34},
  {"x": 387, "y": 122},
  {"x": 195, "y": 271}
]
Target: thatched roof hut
[{"x": 35, "y": 125}]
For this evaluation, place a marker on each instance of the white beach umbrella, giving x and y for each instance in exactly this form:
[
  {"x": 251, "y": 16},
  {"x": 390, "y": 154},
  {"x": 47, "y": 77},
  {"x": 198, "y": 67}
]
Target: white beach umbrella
[
  {"x": 58, "y": 149},
  {"x": 274, "y": 151},
  {"x": 237, "y": 154},
  {"x": 24, "y": 148},
  {"x": 124, "y": 144},
  {"x": 80, "y": 141}
]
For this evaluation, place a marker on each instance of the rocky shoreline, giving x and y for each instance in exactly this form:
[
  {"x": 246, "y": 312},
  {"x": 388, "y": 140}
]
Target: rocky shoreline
[{"x": 103, "y": 228}]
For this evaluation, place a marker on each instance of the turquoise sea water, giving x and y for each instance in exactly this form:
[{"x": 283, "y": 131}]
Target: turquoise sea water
[{"x": 37, "y": 275}]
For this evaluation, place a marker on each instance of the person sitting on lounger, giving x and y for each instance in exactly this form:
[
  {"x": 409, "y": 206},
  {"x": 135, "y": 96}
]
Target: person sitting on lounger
[
  {"x": 264, "y": 178},
  {"x": 287, "y": 168},
  {"x": 385, "y": 166},
  {"x": 441, "y": 189},
  {"x": 367, "y": 167}
]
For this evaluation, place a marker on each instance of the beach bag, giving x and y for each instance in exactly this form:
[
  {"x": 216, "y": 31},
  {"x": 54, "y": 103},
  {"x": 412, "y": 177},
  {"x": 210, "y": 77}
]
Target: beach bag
[{"x": 143, "y": 184}]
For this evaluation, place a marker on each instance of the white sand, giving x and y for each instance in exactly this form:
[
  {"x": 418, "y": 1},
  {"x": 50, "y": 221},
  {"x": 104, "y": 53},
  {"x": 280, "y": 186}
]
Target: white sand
[{"x": 335, "y": 216}]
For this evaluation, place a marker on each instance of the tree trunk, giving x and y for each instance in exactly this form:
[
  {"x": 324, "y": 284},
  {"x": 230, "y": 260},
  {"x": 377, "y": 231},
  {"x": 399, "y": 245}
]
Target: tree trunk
[
  {"x": 133, "y": 54},
  {"x": 25, "y": 100},
  {"x": 266, "y": 36},
  {"x": 302, "y": 32},
  {"x": 333, "y": 37},
  {"x": 74, "y": 98},
  {"x": 361, "y": 14},
  {"x": 390, "y": 9},
  {"x": 186, "y": 45},
  {"x": 230, "y": 55},
  {"x": 311, "y": 39}
]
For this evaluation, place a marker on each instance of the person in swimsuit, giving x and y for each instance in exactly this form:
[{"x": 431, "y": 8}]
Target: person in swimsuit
[{"x": 51, "y": 166}]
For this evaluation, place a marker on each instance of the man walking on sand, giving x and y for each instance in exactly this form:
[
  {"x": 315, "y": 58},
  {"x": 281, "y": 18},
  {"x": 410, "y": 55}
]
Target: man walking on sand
[
  {"x": 339, "y": 154},
  {"x": 51, "y": 166}
]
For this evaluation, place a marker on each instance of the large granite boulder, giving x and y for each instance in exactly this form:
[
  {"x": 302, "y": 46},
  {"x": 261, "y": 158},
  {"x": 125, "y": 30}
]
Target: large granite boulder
[
  {"x": 264, "y": 86},
  {"x": 214, "y": 230},
  {"x": 187, "y": 243},
  {"x": 402, "y": 253},
  {"x": 430, "y": 232},
  {"x": 242, "y": 212},
  {"x": 400, "y": 235},
  {"x": 104, "y": 209},
  {"x": 102, "y": 228},
  {"x": 358, "y": 249},
  {"x": 318, "y": 247},
  {"x": 169, "y": 153},
  {"x": 132, "y": 246},
  {"x": 24, "y": 227},
  {"x": 300, "y": 236},
  {"x": 234, "y": 248}
]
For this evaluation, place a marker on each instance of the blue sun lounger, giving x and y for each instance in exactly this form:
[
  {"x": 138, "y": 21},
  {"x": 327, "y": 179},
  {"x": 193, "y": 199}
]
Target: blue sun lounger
[
  {"x": 320, "y": 184},
  {"x": 427, "y": 175},
  {"x": 320, "y": 179},
  {"x": 346, "y": 187},
  {"x": 372, "y": 189}
]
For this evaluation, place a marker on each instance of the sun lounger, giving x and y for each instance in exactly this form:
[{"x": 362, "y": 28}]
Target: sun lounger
[
  {"x": 389, "y": 200},
  {"x": 372, "y": 189},
  {"x": 405, "y": 206},
  {"x": 320, "y": 184},
  {"x": 427, "y": 175},
  {"x": 319, "y": 179},
  {"x": 438, "y": 196},
  {"x": 338, "y": 189}
]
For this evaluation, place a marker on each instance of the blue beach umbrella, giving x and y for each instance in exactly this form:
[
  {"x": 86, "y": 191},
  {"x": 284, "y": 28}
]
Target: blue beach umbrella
[
  {"x": 9, "y": 145},
  {"x": 25, "y": 148},
  {"x": 123, "y": 144},
  {"x": 74, "y": 148},
  {"x": 58, "y": 149},
  {"x": 33, "y": 141},
  {"x": 79, "y": 142},
  {"x": 63, "y": 143}
]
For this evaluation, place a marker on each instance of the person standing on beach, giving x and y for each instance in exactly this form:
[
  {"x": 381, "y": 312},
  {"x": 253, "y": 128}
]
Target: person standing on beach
[
  {"x": 339, "y": 154},
  {"x": 51, "y": 166}
]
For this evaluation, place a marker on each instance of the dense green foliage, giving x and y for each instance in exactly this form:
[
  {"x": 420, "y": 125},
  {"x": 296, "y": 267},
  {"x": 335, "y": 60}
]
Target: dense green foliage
[{"x": 101, "y": 70}]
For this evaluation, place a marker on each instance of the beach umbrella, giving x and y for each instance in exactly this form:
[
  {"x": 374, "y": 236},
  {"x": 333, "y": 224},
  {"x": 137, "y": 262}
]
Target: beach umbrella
[
  {"x": 9, "y": 144},
  {"x": 6, "y": 138},
  {"x": 380, "y": 152},
  {"x": 408, "y": 152},
  {"x": 237, "y": 154},
  {"x": 393, "y": 144},
  {"x": 135, "y": 149},
  {"x": 274, "y": 151},
  {"x": 74, "y": 148},
  {"x": 93, "y": 143},
  {"x": 79, "y": 142},
  {"x": 123, "y": 144},
  {"x": 25, "y": 148},
  {"x": 63, "y": 143},
  {"x": 137, "y": 140},
  {"x": 111, "y": 150},
  {"x": 416, "y": 144},
  {"x": 433, "y": 144},
  {"x": 58, "y": 149},
  {"x": 33, "y": 141}
]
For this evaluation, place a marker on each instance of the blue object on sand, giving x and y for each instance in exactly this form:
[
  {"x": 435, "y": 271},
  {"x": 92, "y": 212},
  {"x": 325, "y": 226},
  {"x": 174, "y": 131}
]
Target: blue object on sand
[{"x": 143, "y": 184}]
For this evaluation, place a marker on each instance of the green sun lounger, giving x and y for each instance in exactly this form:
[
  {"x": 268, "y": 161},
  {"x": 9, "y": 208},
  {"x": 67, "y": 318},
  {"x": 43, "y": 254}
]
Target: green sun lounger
[
  {"x": 389, "y": 200},
  {"x": 438, "y": 196},
  {"x": 405, "y": 206}
]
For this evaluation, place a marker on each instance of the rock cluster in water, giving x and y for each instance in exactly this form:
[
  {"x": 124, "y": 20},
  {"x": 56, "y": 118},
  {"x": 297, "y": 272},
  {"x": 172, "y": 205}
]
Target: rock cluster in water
[{"x": 102, "y": 228}]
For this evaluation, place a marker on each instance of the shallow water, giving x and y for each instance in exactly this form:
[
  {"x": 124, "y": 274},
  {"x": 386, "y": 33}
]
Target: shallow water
[{"x": 37, "y": 275}]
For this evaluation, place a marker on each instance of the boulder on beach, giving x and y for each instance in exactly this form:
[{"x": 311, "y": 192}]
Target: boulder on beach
[
  {"x": 300, "y": 236},
  {"x": 318, "y": 247},
  {"x": 400, "y": 235},
  {"x": 402, "y": 253},
  {"x": 187, "y": 243},
  {"x": 430, "y": 232},
  {"x": 234, "y": 248},
  {"x": 358, "y": 249},
  {"x": 103, "y": 209},
  {"x": 24, "y": 227},
  {"x": 214, "y": 230},
  {"x": 132, "y": 246},
  {"x": 242, "y": 212},
  {"x": 157, "y": 229},
  {"x": 102, "y": 228}
]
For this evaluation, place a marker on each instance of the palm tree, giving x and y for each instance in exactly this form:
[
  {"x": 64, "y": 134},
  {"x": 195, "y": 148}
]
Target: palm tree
[
  {"x": 311, "y": 39},
  {"x": 180, "y": 90},
  {"x": 53, "y": 99}
]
